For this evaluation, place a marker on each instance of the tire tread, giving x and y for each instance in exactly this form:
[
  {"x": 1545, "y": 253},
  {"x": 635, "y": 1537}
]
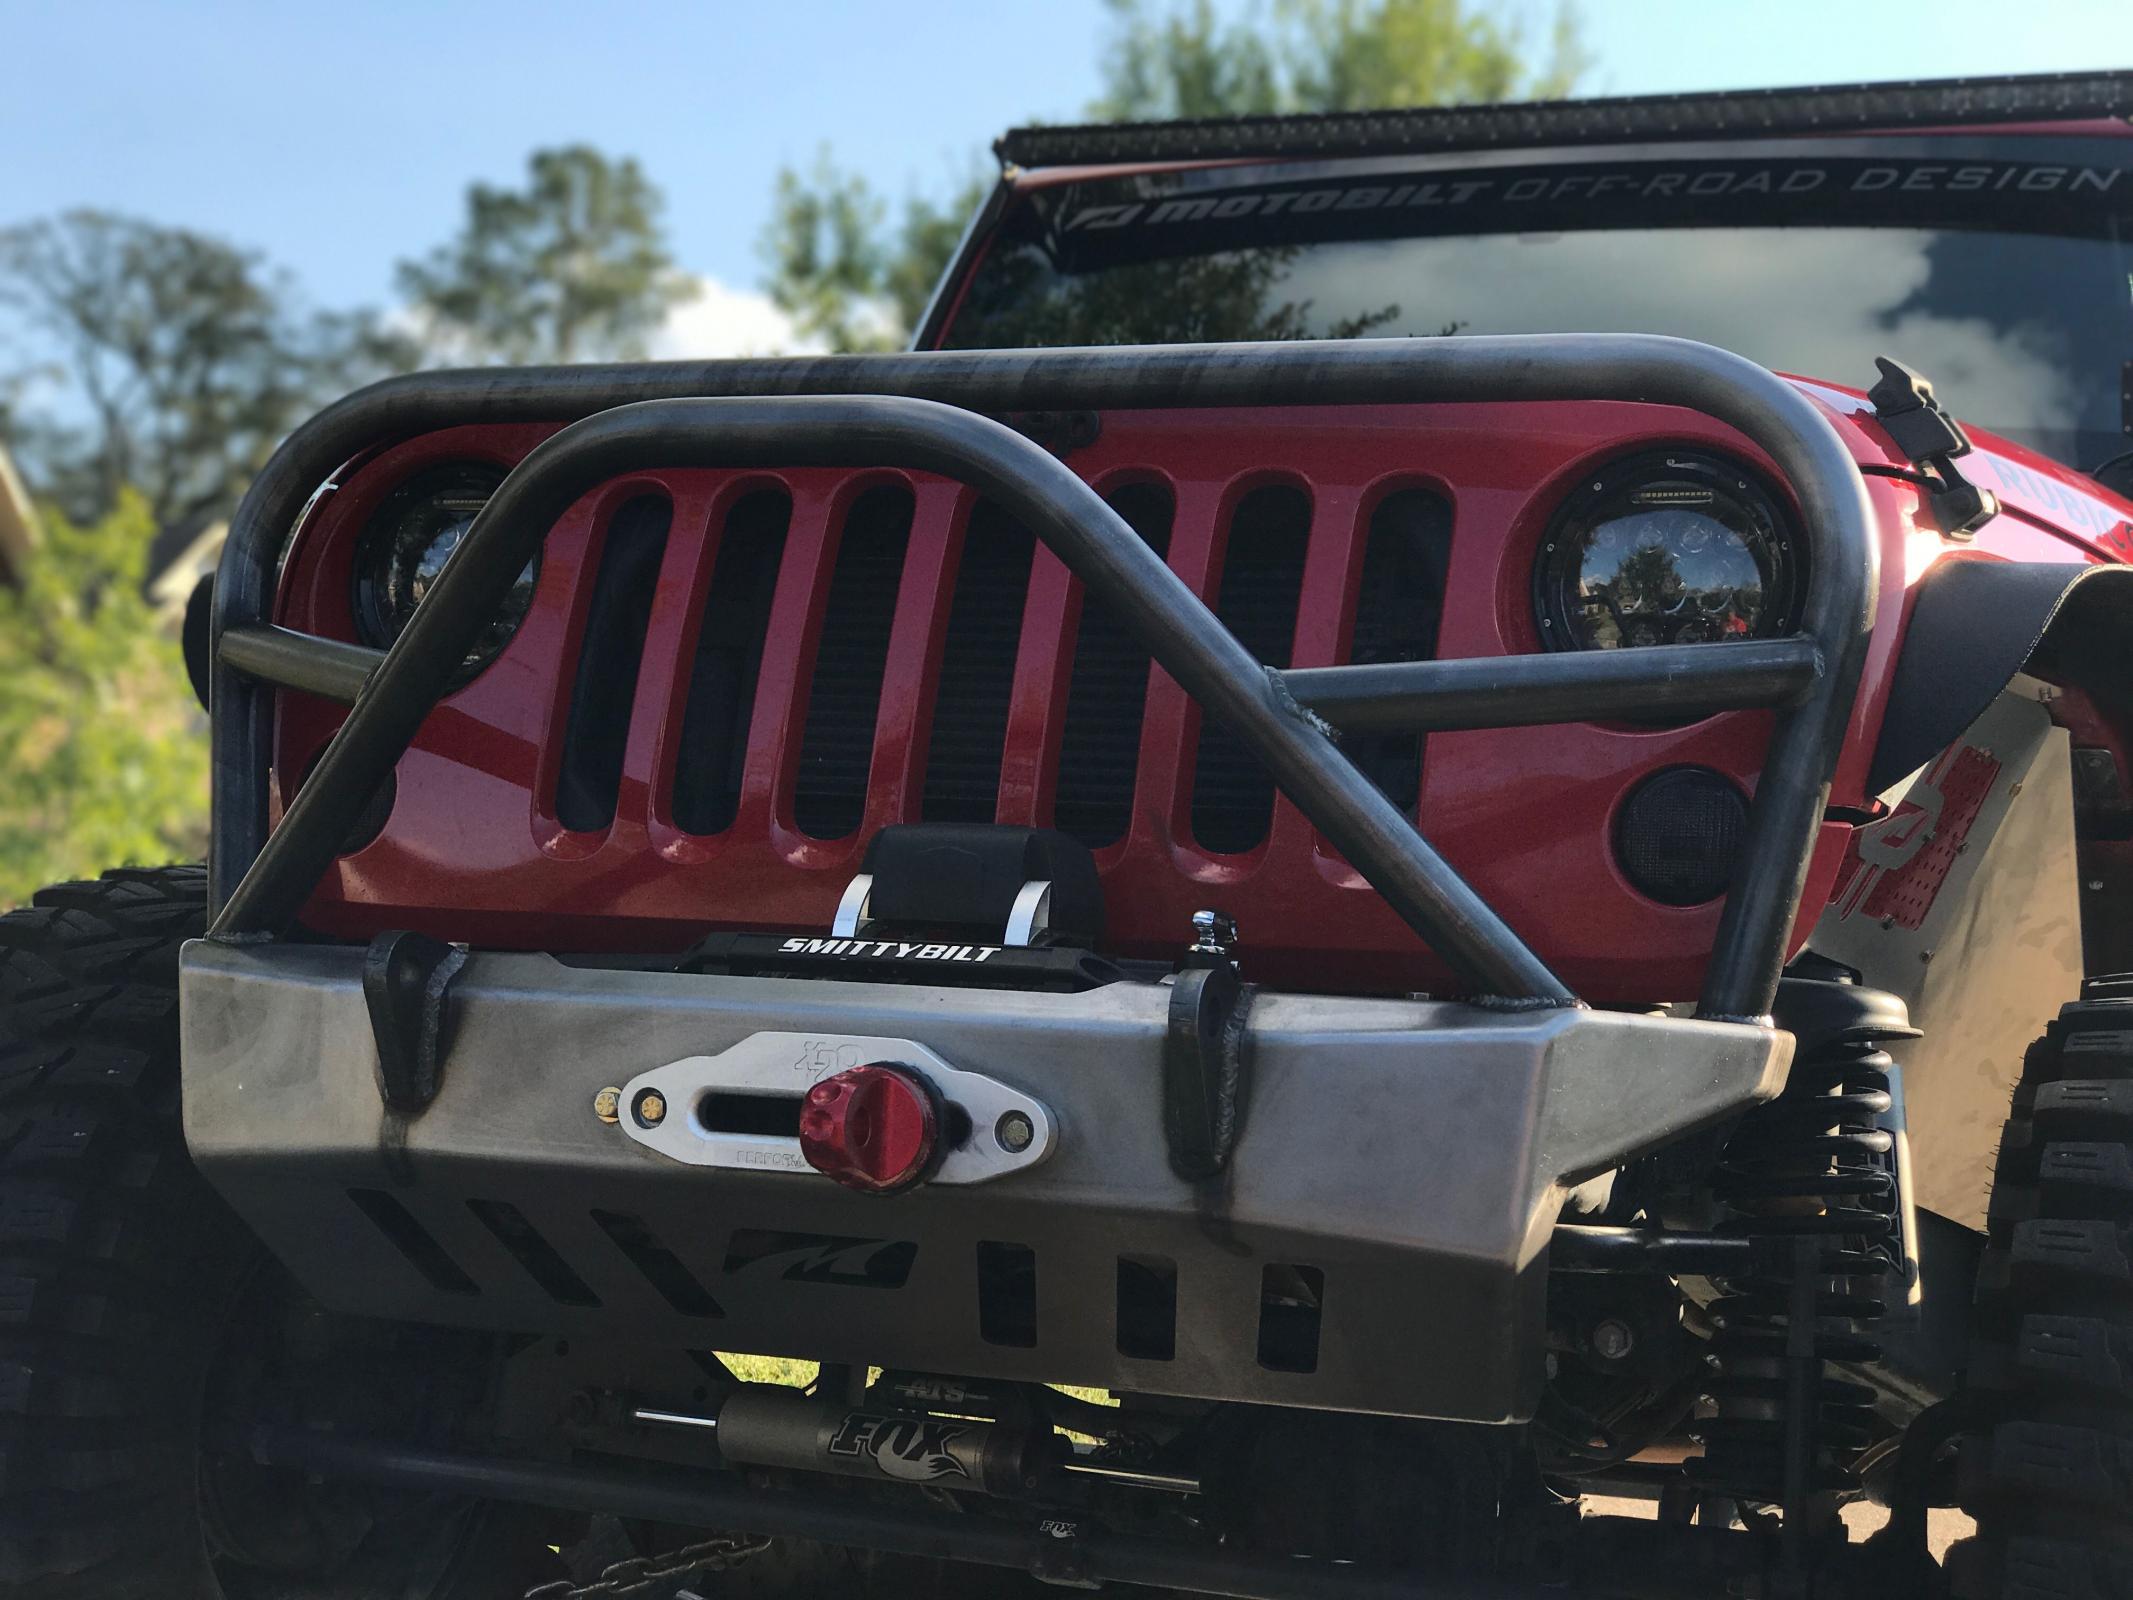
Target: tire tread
[
  {"x": 104, "y": 1226},
  {"x": 2048, "y": 1472}
]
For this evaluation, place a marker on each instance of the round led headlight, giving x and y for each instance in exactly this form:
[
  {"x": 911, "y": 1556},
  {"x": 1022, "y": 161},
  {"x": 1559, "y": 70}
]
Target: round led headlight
[
  {"x": 1673, "y": 547},
  {"x": 404, "y": 547}
]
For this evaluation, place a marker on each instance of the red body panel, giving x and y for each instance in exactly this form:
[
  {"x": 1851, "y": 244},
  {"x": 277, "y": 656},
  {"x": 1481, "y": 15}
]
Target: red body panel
[{"x": 473, "y": 850}]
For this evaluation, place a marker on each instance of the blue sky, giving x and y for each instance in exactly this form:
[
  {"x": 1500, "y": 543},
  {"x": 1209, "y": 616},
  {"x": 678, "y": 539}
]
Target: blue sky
[{"x": 339, "y": 139}]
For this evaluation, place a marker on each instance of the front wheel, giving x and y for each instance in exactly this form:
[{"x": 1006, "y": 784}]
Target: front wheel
[
  {"x": 142, "y": 1329},
  {"x": 2047, "y": 1469}
]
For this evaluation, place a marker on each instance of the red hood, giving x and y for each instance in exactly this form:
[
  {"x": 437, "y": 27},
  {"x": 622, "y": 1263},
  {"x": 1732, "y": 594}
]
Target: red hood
[{"x": 2069, "y": 505}]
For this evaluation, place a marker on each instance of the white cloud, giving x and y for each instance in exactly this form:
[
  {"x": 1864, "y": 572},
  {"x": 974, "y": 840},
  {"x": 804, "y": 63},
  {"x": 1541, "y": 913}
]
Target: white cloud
[
  {"x": 1817, "y": 301},
  {"x": 719, "y": 320}
]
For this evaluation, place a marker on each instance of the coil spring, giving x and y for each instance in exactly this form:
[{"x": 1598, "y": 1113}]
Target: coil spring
[{"x": 1812, "y": 1171}]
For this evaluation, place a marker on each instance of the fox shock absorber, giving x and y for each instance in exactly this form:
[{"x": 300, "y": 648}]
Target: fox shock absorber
[
  {"x": 773, "y": 1427},
  {"x": 1813, "y": 1177},
  {"x": 882, "y": 1437}
]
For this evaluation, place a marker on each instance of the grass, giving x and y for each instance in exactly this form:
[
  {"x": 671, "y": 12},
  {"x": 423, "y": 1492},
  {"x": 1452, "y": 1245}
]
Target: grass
[
  {"x": 797, "y": 1374},
  {"x": 792, "y": 1373}
]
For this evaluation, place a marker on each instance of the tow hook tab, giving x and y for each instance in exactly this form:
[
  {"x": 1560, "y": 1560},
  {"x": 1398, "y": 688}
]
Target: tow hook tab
[
  {"x": 1203, "y": 1069},
  {"x": 407, "y": 979}
]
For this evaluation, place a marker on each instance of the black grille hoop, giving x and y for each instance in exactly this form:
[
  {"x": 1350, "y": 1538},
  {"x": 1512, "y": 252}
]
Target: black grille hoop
[{"x": 921, "y": 412}]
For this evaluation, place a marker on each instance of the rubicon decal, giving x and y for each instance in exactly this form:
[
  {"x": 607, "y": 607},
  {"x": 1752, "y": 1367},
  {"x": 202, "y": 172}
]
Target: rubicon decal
[
  {"x": 914, "y": 1449},
  {"x": 876, "y": 949}
]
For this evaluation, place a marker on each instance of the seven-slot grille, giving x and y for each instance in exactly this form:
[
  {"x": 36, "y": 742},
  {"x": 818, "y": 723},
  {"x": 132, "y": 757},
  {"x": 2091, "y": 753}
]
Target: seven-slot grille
[{"x": 1010, "y": 652}]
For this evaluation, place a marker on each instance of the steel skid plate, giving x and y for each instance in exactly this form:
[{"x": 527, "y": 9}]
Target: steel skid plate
[{"x": 1376, "y": 1242}]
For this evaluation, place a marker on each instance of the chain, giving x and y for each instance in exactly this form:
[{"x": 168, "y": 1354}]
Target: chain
[{"x": 641, "y": 1572}]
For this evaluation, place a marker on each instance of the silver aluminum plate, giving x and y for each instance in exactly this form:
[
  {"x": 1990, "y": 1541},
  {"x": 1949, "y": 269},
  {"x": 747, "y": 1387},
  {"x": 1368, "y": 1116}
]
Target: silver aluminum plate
[{"x": 787, "y": 1065}]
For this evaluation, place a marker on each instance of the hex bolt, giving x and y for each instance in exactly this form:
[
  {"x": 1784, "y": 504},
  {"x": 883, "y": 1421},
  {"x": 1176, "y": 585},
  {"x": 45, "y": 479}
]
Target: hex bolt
[
  {"x": 1612, "y": 1339},
  {"x": 650, "y": 1109},
  {"x": 607, "y": 1105},
  {"x": 1014, "y": 1132}
]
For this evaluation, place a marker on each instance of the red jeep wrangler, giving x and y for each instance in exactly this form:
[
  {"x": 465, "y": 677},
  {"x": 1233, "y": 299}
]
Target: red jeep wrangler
[{"x": 1448, "y": 918}]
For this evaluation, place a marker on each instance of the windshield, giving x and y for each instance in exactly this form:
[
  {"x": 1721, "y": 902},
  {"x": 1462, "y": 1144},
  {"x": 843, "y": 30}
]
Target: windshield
[{"x": 2009, "y": 282}]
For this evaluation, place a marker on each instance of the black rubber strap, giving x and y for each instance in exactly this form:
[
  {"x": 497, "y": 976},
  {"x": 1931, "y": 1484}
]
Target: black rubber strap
[{"x": 1203, "y": 1070}]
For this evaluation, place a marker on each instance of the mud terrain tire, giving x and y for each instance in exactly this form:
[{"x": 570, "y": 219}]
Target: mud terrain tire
[
  {"x": 2048, "y": 1469},
  {"x": 118, "y": 1270}
]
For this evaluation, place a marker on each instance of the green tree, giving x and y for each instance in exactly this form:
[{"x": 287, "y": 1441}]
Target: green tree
[
  {"x": 102, "y": 758},
  {"x": 1649, "y": 579},
  {"x": 842, "y": 270},
  {"x": 165, "y": 359},
  {"x": 850, "y": 279},
  {"x": 1186, "y": 60},
  {"x": 572, "y": 267}
]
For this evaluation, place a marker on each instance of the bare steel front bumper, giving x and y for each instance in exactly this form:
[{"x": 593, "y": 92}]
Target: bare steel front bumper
[{"x": 1398, "y": 1170}]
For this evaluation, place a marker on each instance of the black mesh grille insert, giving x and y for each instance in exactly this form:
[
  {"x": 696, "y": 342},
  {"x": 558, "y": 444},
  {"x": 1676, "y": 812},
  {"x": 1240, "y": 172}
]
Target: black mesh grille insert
[
  {"x": 1262, "y": 579},
  {"x": 1679, "y": 834},
  {"x": 589, "y": 776},
  {"x": 844, "y": 696},
  {"x": 1099, "y": 748},
  {"x": 729, "y": 654},
  {"x": 1405, "y": 559},
  {"x": 978, "y": 669}
]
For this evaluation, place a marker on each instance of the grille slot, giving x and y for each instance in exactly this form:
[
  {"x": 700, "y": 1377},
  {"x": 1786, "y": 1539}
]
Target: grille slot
[
  {"x": 729, "y": 655},
  {"x": 978, "y": 669},
  {"x": 1406, "y": 555},
  {"x": 844, "y": 697},
  {"x": 1107, "y": 696},
  {"x": 1262, "y": 580},
  {"x": 589, "y": 776}
]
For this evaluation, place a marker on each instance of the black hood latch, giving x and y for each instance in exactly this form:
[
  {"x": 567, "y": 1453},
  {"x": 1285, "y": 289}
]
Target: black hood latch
[{"x": 1904, "y": 404}]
